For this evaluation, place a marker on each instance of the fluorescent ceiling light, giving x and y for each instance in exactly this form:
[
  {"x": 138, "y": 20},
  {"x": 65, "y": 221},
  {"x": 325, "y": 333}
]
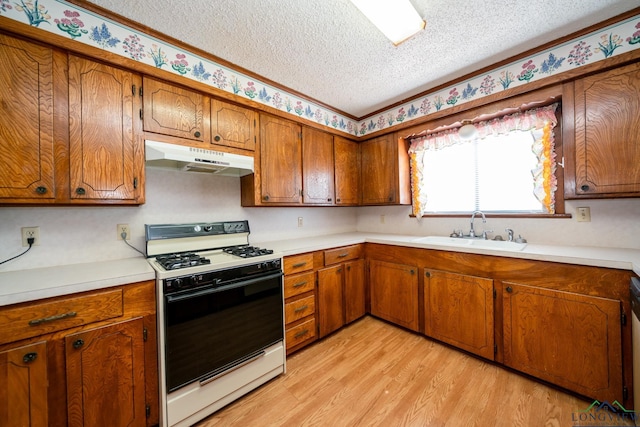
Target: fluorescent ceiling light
[{"x": 397, "y": 19}]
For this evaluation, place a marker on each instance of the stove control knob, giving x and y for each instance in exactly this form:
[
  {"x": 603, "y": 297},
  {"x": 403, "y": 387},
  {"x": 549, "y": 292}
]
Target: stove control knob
[
  {"x": 176, "y": 283},
  {"x": 208, "y": 228},
  {"x": 197, "y": 228}
]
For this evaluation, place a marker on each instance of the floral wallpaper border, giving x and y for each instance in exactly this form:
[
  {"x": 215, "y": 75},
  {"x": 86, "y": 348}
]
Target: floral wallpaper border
[{"x": 62, "y": 18}]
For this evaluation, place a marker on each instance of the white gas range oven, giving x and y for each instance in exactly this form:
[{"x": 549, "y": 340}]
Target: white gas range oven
[{"x": 220, "y": 316}]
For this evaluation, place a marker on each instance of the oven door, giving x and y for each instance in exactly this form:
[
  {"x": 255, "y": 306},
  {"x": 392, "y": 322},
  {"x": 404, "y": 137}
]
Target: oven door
[{"x": 211, "y": 331}]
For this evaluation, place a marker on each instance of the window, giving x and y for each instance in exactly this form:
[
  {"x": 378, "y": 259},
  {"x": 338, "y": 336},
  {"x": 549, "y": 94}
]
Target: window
[{"x": 508, "y": 168}]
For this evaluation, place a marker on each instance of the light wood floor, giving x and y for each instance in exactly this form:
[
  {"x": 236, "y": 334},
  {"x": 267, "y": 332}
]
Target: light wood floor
[{"x": 375, "y": 374}]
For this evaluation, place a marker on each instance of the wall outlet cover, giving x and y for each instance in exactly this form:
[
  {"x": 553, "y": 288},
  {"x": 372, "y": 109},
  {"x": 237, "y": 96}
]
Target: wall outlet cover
[{"x": 28, "y": 232}]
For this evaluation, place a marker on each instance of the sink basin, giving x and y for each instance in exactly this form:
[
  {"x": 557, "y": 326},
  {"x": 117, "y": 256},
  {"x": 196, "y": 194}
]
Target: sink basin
[{"x": 499, "y": 245}]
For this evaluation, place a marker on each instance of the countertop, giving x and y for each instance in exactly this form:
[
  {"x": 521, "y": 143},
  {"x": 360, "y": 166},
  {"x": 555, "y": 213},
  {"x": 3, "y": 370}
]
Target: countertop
[{"x": 33, "y": 284}]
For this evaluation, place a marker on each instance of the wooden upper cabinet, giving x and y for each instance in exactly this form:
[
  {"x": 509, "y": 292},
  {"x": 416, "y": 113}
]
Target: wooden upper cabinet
[
  {"x": 24, "y": 390},
  {"x": 233, "y": 126},
  {"x": 280, "y": 161},
  {"x": 176, "y": 111},
  {"x": 317, "y": 167},
  {"x": 26, "y": 121},
  {"x": 385, "y": 171},
  {"x": 607, "y": 134},
  {"x": 105, "y": 136},
  {"x": 568, "y": 339},
  {"x": 346, "y": 155},
  {"x": 459, "y": 310}
]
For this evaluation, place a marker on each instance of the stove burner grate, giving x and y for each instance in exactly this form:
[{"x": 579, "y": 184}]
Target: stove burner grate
[
  {"x": 183, "y": 260},
  {"x": 248, "y": 251}
]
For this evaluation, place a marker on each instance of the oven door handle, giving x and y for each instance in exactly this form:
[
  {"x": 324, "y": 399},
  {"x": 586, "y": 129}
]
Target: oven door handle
[{"x": 209, "y": 291}]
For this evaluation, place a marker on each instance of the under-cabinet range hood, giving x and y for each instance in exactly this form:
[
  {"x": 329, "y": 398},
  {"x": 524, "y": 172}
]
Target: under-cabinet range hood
[{"x": 191, "y": 159}]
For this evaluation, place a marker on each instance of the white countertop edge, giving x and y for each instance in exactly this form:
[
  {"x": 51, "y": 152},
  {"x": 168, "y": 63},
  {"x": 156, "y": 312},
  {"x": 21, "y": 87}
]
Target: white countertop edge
[
  {"x": 33, "y": 284},
  {"x": 45, "y": 282},
  {"x": 624, "y": 259}
]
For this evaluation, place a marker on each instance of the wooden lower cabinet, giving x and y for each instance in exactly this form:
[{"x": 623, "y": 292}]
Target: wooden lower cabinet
[
  {"x": 459, "y": 311},
  {"x": 81, "y": 360},
  {"x": 107, "y": 362},
  {"x": 568, "y": 339},
  {"x": 354, "y": 290},
  {"x": 330, "y": 299},
  {"x": 560, "y": 323},
  {"x": 23, "y": 393},
  {"x": 394, "y": 293},
  {"x": 300, "y": 301}
]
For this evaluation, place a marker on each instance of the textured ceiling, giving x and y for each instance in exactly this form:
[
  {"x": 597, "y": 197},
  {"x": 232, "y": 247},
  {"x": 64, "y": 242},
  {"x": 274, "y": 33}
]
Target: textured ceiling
[{"x": 328, "y": 50}]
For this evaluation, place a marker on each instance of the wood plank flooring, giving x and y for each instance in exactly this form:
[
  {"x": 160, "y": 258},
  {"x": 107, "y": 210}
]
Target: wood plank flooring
[{"x": 375, "y": 374}]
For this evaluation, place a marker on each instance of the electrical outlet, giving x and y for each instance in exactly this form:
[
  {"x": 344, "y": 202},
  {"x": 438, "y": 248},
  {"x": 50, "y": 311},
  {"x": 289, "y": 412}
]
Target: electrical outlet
[
  {"x": 299, "y": 221},
  {"x": 124, "y": 228},
  {"x": 28, "y": 232},
  {"x": 584, "y": 214}
]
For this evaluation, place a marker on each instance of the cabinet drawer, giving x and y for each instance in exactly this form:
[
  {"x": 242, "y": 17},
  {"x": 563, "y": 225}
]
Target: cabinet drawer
[
  {"x": 298, "y": 263},
  {"x": 334, "y": 256},
  {"x": 299, "y": 284},
  {"x": 301, "y": 333},
  {"x": 31, "y": 320},
  {"x": 299, "y": 308}
]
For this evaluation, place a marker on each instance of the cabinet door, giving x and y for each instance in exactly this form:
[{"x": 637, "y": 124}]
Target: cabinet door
[
  {"x": 394, "y": 293},
  {"x": 105, "y": 376},
  {"x": 26, "y": 120},
  {"x": 23, "y": 386},
  {"x": 317, "y": 167},
  {"x": 379, "y": 170},
  {"x": 105, "y": 136},
  {"x": 233, "y": 126},
  {"x": 459, "y": 311},
  {"x": 346, "y": 154},
  {"x": 330, "y": 299},
  {"x": 175, "y": 111},
  {"x": 568, "y": 339},
  {"x": 280, "y": 161},
  {"x": 607, "y": 131},
  {"x": 354, "y": 290}
]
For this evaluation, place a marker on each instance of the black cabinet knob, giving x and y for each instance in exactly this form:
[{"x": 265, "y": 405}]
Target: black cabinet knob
[
  {"x": 81, "y": 191},
  {"x": 584, "y": 187},
  {"x": 266, "y": 198},
  {"x": 29, "y": 357},
  {"x": 217, "y": 138},
  {"x": 41, "y": 190},
  {"x": 509, "y": 289},
  {"x": 78, "y": 343},
  {"x": 197, "y": 134}
]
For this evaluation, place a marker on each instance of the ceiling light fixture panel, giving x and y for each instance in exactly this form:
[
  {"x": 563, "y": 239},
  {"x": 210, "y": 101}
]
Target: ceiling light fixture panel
[{"x": 397, "y": 19}]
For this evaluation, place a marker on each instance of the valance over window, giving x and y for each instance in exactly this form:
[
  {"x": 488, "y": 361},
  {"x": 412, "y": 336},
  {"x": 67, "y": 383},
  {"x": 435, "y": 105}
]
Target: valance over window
[{"x": 539, "y": 121}]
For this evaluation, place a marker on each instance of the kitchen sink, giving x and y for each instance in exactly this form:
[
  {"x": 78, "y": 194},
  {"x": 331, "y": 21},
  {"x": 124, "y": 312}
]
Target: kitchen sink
[{"x": 499, "y": 245}]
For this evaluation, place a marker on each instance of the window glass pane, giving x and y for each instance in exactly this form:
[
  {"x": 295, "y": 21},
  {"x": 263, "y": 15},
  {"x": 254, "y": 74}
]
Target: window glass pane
[
  {"x": 505, "y": 182},
  {"x": 448, "y": 178},
  {"x": 495, "y": 170}
]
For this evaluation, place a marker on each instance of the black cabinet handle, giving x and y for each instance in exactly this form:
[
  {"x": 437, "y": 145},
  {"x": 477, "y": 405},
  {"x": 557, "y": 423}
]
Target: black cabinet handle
[
  {"x": 217, "y": 138},
  {"x": 301, "y": 333},
  {"x": 329, "y": 199},
  {"x": 81, "y": 191},
  {"x": 36, "y": 322},
  {"x": 337, "y": 200},
  {"x": 78, "y": 343},
  {"x": 297, "y": 285},
  {"x": 29, "y": 357},
  {"x": 300, "y": 264},
  {"x": 197, "y": 134},
  {"x": 299, "y": 309},
  {"x": 584, "y": 187},
  {"x": 41, "y": 190},
  {"x": 509, "y": 289},
  {"x": 266, "y": 198}
]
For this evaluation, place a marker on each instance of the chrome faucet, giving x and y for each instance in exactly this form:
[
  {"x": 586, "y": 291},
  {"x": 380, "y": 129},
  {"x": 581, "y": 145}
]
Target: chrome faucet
[
  {"x": 509, "y": 234},
  {"x": 472, "y": 232}
]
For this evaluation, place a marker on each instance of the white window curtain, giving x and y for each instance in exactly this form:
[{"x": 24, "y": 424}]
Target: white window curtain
[{"x": 542, "y": 119}]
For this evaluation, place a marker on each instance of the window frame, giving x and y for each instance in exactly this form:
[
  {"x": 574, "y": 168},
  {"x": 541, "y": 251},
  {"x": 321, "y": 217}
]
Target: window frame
[{"x": 497, "y": 109}]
